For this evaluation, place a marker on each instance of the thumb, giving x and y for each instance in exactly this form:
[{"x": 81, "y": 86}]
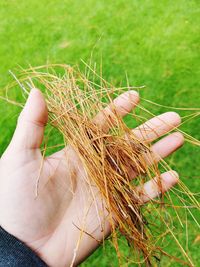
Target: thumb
[{"x": 31, "y": 122}]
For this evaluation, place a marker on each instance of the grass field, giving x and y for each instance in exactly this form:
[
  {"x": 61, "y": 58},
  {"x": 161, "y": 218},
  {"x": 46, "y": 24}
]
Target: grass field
[{"x": 157, "y": 43}]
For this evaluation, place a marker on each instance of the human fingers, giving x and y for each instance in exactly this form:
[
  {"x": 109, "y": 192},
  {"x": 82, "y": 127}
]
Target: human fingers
[
  {"x": 120, "y": 106},
  {"x": 158, "y": 185},
  {"x": 167, "y": 145},
  {"x": 31, "y": 123},
  {"x": 157, "y": 126}
]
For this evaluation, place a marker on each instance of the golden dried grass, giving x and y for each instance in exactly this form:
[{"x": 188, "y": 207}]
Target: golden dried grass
[{"x": 73, "y": 100}]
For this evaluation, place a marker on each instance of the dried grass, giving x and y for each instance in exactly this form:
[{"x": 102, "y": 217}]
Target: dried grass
[{"x": 73, "y": 100}]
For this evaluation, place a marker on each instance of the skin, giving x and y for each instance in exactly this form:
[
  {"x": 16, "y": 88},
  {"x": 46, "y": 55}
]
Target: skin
[{"x": 47, "y": 223}]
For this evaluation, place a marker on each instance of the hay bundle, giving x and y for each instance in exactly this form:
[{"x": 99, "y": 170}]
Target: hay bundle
[{"x": 111, "y": 155}]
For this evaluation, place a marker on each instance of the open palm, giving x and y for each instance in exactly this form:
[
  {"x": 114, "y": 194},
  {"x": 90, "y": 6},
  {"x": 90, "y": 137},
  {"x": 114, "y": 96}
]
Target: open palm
[{"x": 49, "y": 222}]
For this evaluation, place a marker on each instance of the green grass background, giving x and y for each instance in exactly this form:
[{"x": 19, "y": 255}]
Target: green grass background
[{"x": 157, "y": 43}]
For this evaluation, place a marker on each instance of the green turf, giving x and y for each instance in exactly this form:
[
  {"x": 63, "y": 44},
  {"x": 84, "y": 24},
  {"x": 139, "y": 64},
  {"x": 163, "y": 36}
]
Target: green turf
[{"x": 156, "y": 43}]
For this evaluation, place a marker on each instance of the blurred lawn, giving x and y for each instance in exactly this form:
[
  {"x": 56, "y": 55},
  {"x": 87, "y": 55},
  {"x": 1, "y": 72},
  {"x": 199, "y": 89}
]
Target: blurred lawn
[{"x": 157, "y": 43}]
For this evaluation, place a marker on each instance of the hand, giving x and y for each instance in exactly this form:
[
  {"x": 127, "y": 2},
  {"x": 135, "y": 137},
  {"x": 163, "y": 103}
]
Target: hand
[{"x": 49, "y": 222}]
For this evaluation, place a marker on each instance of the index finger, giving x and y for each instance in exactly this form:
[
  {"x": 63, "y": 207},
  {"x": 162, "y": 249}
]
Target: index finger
[{"x": 120, "y": 106}]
